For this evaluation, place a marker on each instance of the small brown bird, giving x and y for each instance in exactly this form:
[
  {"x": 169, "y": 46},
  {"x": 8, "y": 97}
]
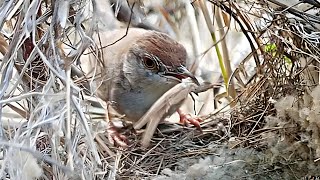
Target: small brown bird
[{"x": 136, "y": 70}]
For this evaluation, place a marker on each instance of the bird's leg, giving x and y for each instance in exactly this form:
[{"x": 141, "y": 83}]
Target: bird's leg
[
  {"x": 116, "y": 127},
  {"x": 187, "y": 118}
]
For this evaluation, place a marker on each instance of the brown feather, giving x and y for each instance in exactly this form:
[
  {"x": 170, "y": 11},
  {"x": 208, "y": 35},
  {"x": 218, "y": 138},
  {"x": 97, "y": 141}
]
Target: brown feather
[{"x": 170, "y": 52}]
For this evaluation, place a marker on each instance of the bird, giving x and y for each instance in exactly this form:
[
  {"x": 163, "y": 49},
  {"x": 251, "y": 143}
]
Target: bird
[{"x": 133, "y": 68}]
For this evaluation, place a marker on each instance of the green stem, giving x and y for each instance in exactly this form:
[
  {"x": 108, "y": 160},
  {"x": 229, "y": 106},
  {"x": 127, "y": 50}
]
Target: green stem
[{"x": 220, "y": 59}]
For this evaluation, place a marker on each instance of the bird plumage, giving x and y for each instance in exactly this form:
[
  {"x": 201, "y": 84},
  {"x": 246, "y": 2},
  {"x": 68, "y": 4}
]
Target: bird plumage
[{"x": 136, "y": 70}]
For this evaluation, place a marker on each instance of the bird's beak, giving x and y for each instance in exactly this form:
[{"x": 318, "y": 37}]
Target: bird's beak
[{"x": 182, "y": 73}]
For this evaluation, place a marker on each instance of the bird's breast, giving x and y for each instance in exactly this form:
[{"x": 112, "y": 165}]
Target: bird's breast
[{"x": 134, "y": 103}]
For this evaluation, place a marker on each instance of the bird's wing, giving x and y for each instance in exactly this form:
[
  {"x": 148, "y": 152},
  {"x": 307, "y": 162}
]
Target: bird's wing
[{"x": 103, "y": 63}]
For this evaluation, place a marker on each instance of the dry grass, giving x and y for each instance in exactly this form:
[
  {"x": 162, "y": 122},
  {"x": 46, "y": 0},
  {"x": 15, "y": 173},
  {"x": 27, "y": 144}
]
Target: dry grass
[{"x": 49, "y": 124}]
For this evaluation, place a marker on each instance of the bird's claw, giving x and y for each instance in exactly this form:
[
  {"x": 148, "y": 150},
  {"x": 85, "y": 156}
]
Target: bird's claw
[
  {"x": 115, "y": 138},
  {"x": 187, "y": 118}
]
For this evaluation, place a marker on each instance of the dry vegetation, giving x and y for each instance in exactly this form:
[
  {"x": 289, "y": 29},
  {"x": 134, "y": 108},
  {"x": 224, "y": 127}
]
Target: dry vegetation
[{"x": 52, "y": 127}]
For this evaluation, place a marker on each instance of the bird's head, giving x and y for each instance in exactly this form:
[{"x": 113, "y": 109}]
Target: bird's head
[{"x": 156, "y": 59}]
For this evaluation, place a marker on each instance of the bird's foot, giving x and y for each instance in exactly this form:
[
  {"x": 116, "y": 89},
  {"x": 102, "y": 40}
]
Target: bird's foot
[
  {"x": 115, "y": 137},
  {"x": 187, "y": 118}
]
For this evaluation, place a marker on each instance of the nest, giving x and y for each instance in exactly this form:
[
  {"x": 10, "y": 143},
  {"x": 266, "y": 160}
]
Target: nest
[
  {"x": 169, "y": 144},
  {"x": 50, "y": 129}
]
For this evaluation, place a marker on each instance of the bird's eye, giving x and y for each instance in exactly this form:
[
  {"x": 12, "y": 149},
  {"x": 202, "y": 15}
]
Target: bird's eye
[{"x": 149, "y": 63}]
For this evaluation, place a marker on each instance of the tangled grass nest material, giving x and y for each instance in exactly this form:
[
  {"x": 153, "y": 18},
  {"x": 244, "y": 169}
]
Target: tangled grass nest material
[{"x": 47, "y": 127}]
